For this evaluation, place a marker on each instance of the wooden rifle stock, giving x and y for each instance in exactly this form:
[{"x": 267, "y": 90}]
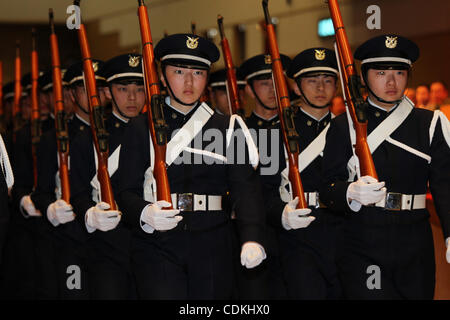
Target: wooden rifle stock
[
  {"x": 99, "y": 133},
  {"x": 62, "y": 132},
  {"x": 35, "y": 115},
  {"x": 355, "y": 102},
  {"x": 17, "y": 92},
  {"x": 232, "y": 87},
  {"x": 289, "y": 134},
  {"x": 156, "y": 123}
]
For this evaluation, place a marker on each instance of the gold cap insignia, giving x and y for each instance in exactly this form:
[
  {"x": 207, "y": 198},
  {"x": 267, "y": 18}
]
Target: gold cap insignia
[
  {"x": 192, "y": 43},
  {"x": 267, "y": 59},
  {"x": 391, "y": 42},
  {"x": 134, "y": 61},
  {"x": 95, "y": 66},
  {"x": 320, "y": 54}
]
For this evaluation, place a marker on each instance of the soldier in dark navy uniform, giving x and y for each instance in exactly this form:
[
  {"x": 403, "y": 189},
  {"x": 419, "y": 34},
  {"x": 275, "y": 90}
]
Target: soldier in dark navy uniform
[
  {"x": 257, "y": 72},
  {"x": 109, "y": 242},
  {"x": 386, "y": 250},
  {"x": 26, "y": 217},
  {"x": 306, "y": 236},
  {"x": 59, "y": 234},
  {"x": 218, "y": 94},
  {"x": 185, "y": 252},
  {"x": 256, "y": 283}
]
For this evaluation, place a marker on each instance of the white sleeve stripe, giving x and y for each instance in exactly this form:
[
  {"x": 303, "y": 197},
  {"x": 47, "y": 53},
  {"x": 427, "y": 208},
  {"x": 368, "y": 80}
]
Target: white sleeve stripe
[
  {"x": 433, "y": 124},
  {"x": 6, "y": 165},
  {"x": 252, "y": 149}
]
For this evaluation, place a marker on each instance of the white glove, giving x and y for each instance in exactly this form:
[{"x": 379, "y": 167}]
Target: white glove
[
  {"x": 293, "y": 218},
  {"x": 447, "y": 254},
  {"x": 60, "y": 212},
  {"x": 99, "y": 217},
  {"x": 367, "y": 190},
  {"x": 160, "y": 219},
  {"x": 252, "y": 254},
  {"x": 28, "y": 205}
]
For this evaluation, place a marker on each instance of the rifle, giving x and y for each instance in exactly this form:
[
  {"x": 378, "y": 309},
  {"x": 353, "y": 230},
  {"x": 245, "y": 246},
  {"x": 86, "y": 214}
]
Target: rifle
[
  {"x": 35, "y": 115},
  {"x": 289, "y": 134},
  {"x": 352, "y": 92},
  {"x": 232, "y": 87},
  {"x": 17, "y": 92},
  {"x": 157, "y": 124},
  {"x": 98, "y": 129},
  {"x": 62, "y": 132}
]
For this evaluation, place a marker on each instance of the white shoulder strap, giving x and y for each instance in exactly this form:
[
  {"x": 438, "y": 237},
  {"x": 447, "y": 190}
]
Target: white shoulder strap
[
  {"x": 187, "y": 133},
  {"x": 390, "y": 124},
  {"x": 445, "y": 125},
  {"x": 6, "y": 165},
  {"x": 313, "y": 150},
  {"x": 252, "y": 149},
  {"x": 113, "y": 165}
]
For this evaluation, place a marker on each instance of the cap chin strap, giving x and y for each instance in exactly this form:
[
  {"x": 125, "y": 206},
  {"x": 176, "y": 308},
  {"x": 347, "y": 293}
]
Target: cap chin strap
[
  {"x": 364, "y": 74},
  {"x": 79, "y": 105},
  {"x": 114, "y": 101},
  {"x": 310, "y": 103},
  {"x": 173, "y": 94},
  {"x": 259, "y": 100},
  {"x": 299, "y": 85}
]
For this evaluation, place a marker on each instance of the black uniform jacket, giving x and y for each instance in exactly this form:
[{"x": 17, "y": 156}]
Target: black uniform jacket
[
  {"x": 402, "y": 171},
  {"x": 195, "y": 171}
]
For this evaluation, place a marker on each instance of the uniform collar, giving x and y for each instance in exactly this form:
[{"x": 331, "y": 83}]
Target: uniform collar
[
  {"x": 373, "y": 104},
  {"x": 267, "y": 120},
  {"x": 82, "y": 120},
  {"x": 119, "y": 117},
  {"x": 314, "y": 118},
  {"x": 167, "y": 101}
]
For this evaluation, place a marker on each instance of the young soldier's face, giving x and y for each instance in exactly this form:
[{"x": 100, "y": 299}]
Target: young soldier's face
[
  {"x": 319, "y": 90},
  {"x": 69, "y": 105},
  {"x": 265, "y": 91},
  {"x": 219, "y": 98},
  {"x": 389, "y": 85},
  {"x": 422, "y": 95},
  {"x": 130, "y": 98},
  {"x": 187, "y": 84}
]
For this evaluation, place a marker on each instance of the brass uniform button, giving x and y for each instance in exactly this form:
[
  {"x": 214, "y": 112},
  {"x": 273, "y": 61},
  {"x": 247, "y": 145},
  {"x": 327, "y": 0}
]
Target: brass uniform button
[
  {"x": 377, "y": 114},
  {"x": 117, "y": 124},
  {"x": 81, "y": 128},
  {"x": 174, "y": 115},
  {"x": 260, "y": 123},
  {"x": 309, "y": 123}
]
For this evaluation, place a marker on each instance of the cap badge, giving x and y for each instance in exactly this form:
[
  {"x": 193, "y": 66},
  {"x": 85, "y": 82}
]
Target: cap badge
[
  {"x": 133, "y": 61},
  {"x": 267, "y": 59},
  {"x": 192, "y": 43},
  {"x": 320, "y": 54},
  {"x": 95, "y": 66},
  {"x": 391, "y": 42}
]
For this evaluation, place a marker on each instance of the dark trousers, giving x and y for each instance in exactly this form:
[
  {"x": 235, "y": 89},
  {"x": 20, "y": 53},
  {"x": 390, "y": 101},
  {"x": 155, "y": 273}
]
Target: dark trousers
[
  {"x": 109, "y": 265},
  {"x": 184, "y": 264},
  {"x": 71, "y": 261},
  {"x": 263, "y": 282},
  {"x": 308, "y": 259},
  {"x": 397, "y": 247}
]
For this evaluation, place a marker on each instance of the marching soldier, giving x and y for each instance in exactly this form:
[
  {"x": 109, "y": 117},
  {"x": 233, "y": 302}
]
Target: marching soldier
[
  {"x": 185, "y": 252},
  {"x": 307, "y": 236},
  {"x": 265, "y": 281},
  {"x": 109, "y": 243},
  {"x": 258, "y": 75},
  {"x": 62, "y": 234},
  {"x": 218, "y": 94},
  {"x": 386, "y": 228}
]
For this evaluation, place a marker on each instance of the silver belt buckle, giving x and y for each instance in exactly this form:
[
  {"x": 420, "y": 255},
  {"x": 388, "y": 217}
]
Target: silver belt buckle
[
  {"x": 393, "y": 201},
  {"x": 185, "y": 201}
]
